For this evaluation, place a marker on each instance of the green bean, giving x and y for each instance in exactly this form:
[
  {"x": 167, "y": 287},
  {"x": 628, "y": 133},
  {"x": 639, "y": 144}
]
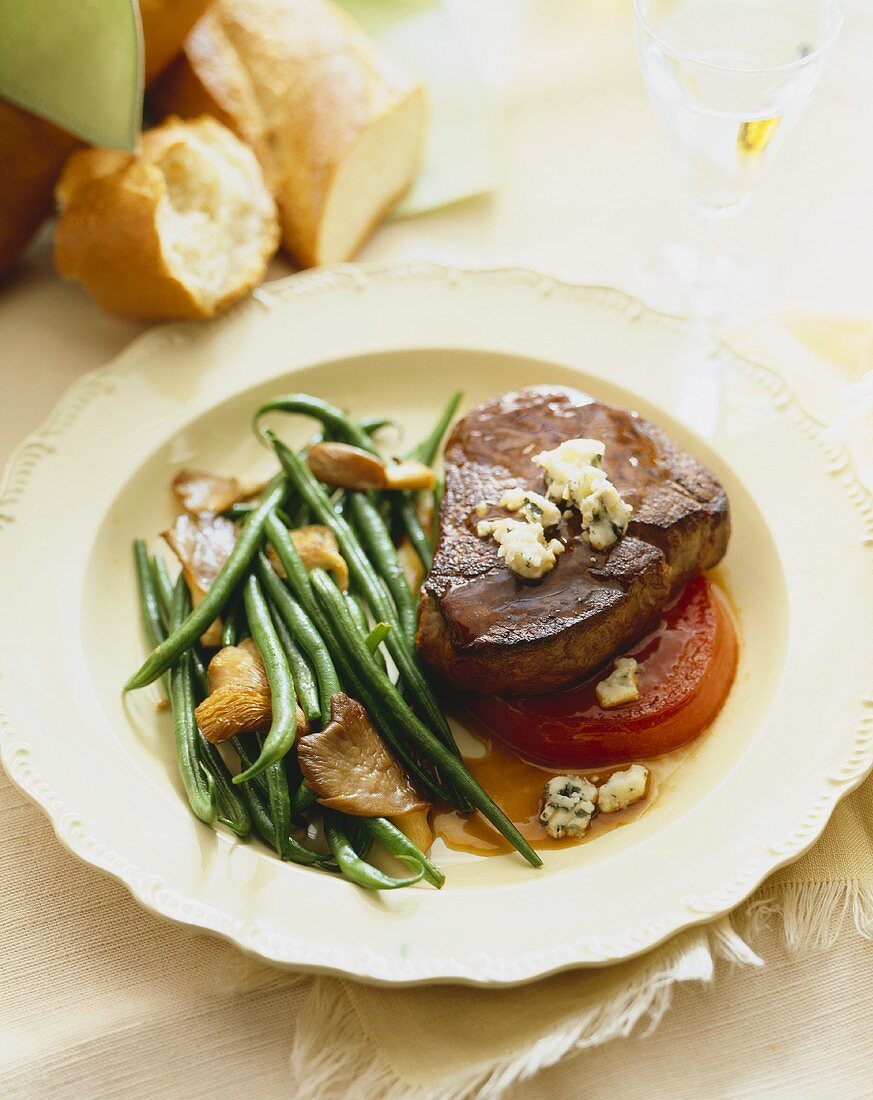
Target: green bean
[
  {"x": 334, "y": 420},
  {"x": 427, "y": 450},
  {"x": 220, "y": 592},
  {"x": 358, "y": 870},
  {"x": 396, "y": 842},
  {"x": 198, "y": 783},
  {"x": 358, "y": 614},
  {"x": 341, "y": 427},
  {"x": 239, "y": 510},
  {"x": 247, "y": 749},
  {"x": 259, "y": 813},
  {"x": 296, "y": 573},
  {"x": 359, "y": 838},
  {"x": 163, "y": 584},
  {"x": 244, "y": 508},
  {"x": 377, "y": 636},
  {"x": 411, "y": 524},
  {"x": 364, "y": 576},
  {"x": 382, "y": 636},
  {"x": 302, "y": 799},
  {"x": 373, "y": 424},
  {"x": 359, "y": 618},
  {"x": 377, "y": 542},
  {"x": 305, "y": 687},
  {"x": 230, "y": 631},
  {"x": 295, "y": 618},
  {"x": 294, "y": 851},
  {"x": 149, "y": 601},
  {"x": 150, "y": 607},
  {"x": 257, "y": 800},
  {"x": 301, "y": 517},
  {"x": 438, "y": 491},
  {"x": 164, "y": 589},
  {"x": 280, "y": 805},
  {"x": 283, "y": 727},
  {"x": 393, "y": 705},
  {"x": 198, "y": 670},
  {"x": 233, "y": 811},
  {"x": 299, "y": 580}
]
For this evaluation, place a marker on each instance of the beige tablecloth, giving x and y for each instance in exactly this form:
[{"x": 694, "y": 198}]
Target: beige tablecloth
[{"x": 98, "y": 998}]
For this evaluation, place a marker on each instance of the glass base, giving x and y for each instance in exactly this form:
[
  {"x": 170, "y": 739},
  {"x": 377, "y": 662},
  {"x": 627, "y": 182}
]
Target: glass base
[{"x": 676, "y": 280}]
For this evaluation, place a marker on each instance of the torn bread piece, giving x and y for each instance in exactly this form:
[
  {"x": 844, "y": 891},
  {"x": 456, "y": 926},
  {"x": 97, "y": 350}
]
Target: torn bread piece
[
  {"x": 337, "y": 126},
  {"x": 183, "y": 228}
]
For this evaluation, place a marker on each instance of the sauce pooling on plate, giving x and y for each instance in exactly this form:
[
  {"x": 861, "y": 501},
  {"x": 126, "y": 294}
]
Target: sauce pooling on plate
[{"x": 686, "y": 668}]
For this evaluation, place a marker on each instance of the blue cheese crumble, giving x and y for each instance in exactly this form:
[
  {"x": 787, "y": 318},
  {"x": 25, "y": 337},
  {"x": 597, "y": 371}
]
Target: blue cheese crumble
[
  {"x": 623, "y": 789},
  {"x": 574, "y": 474},
  {"x": 533, "y": 506},
  {"x": 569, "y": 802},
  {"x": 523, "y": 545},
  {"x": 620, "y": 686}
]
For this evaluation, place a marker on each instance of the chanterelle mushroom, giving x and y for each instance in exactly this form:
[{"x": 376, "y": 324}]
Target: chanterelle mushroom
[
  {"x": 239, "y": 695},
  {"x": 345, "y": 466},
  {"x": 348, "y": 467},
  {"x": 202, "y": 544},
  {"x": 349, "y": 767},
  {"x": 318, "y": 549}
]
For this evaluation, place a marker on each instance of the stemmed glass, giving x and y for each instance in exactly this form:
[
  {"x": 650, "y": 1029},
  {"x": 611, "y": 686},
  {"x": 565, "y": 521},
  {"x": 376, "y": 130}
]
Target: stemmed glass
[{"x": 729, "y": 79}]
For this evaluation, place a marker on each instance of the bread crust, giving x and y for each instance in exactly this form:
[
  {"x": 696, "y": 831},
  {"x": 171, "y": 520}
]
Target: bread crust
[
  {"x": 108, "y": 236},
  {"x": 303, "y": 85},
  {"x": 32, "y": 153},
  {"x": 165, "y": 26}
]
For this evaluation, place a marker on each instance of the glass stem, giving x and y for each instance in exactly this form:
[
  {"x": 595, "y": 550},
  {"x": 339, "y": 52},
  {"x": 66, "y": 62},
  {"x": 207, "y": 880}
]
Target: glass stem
[
  {"x": 709, "y": 242},
  {"x": 703, "y": 292}
]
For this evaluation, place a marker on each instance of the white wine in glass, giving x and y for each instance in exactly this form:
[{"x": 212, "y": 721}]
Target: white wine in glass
[{"x": 729, "y": 79}]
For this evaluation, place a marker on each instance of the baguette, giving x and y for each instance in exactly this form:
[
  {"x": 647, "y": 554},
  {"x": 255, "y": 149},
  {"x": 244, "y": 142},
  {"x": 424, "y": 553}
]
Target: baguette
[
  {"x": 336, "y": 126},
  {"x": 33, "y": 151},
  {"x": 181, "y": 229},
  {"x": 165, "y": 26}
]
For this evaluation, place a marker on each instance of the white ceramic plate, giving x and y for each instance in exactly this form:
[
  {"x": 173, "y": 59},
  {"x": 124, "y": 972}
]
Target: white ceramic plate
[{"x": 795, "y": 735}]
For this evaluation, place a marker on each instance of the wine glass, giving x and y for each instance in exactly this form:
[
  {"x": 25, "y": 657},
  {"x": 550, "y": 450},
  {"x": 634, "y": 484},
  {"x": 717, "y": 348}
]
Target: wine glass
[{"x": 729, "y": 80}]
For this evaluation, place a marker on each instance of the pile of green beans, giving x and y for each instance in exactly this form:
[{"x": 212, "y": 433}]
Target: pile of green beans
[{"x": 314, "y": 641}]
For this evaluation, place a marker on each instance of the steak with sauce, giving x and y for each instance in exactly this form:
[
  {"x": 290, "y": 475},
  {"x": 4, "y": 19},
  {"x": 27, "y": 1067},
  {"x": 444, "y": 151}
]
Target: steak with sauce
[{"x": 485, "y": 629}]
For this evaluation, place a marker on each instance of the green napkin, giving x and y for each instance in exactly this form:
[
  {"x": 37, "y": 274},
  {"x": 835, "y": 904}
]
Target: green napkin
[
  {"x": 77, "y": 63},
  {"x": 462, "y": 156}
]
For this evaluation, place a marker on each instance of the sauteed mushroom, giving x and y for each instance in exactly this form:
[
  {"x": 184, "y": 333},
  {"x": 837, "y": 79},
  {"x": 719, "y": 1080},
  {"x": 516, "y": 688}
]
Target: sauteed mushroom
[
  {"x": 200, "y": 493},
  {"x": 416, "y": 825},
  {"x": 239, "y": 695},
  {"x": 411, "y": 564},
  {"x": 318, "y": 549},
  {"x": 410, "y": 475},
  {"x": 202, "y": 544},
  {"x": 349, "y": 767},
  {"x": 347, "y": 467}
]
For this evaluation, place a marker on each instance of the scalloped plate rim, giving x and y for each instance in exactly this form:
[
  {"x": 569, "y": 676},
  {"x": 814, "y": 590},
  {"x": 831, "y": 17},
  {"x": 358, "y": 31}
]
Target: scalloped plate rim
[{"x": 379, "y": 970}]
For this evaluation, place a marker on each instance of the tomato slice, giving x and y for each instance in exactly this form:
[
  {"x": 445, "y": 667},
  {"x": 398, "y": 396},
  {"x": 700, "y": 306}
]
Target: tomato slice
[{"x": 687, "y": 664}]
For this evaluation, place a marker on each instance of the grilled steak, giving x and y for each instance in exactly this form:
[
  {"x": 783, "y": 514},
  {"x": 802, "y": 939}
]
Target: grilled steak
[{"x": 486, "y": 629}]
